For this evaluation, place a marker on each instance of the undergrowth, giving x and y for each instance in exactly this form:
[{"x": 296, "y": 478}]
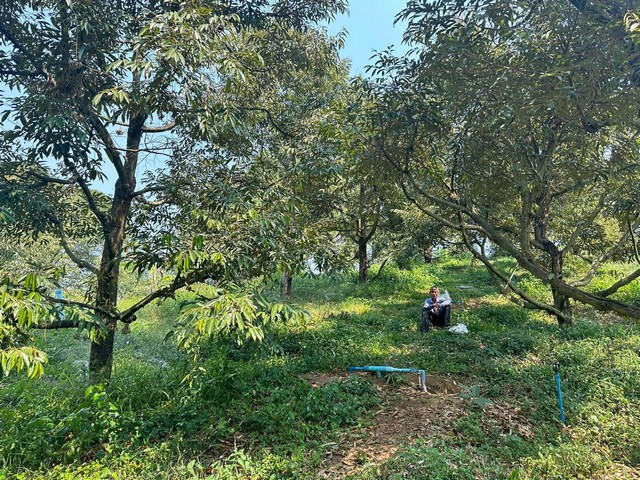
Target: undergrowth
[{"x": 250, "y": 414}]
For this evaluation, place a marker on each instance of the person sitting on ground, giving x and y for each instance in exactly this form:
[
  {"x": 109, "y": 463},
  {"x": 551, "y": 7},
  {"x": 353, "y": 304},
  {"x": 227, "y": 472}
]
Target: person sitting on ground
[{"x": 436, "y": 309}]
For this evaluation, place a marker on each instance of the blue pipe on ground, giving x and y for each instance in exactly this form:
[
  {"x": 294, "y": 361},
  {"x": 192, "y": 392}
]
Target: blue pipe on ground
[
  {"x": 556, "y": 374},
  {"x": 386, "y": 369}
]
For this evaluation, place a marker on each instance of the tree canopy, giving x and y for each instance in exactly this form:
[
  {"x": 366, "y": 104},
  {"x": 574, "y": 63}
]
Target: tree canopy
[
  {"x": 96, "y": 93},
  {"x": 518, "y": 122}
]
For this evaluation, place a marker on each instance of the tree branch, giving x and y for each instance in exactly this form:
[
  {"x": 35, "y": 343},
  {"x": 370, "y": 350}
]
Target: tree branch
[
  {"x": 64, "y": 240},
  {"x": 147, "y": 150},
  {"x": 110, "y": 147},
  {"x": 128, "y": 316},
  {"x": 144, "y": 201},
  {"x": 18, "y": 45},
  {"x": 631, "y": 228},
  {"x": 48, "y": 179},
  {"x": 100, "y": 215},
  {"x": 86, "y": 306},
  {"x": 508, "y": 282},
  {"x": 59, "y": 324},
  {"x": 588, "y": 222},
  {"x": 374, "y": 227},
  {"x": 271, "y": 120},
  {"x": 20, "y": 73},
  {"x": 380, "y": 269},
  {"x": 161, "y": 128},
  {"x": 620, "y": 283},
  {"x": 438, "y": 218},
  {"x": 160, "y": 188}
]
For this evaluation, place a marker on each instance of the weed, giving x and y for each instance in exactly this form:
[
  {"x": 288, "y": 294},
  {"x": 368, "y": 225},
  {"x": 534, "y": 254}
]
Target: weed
[{"x": 472, "y": 394}]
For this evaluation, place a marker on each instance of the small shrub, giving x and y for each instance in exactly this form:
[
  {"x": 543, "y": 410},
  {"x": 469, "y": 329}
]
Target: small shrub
[
  {"x": 96, "y": 422},
  {"x": 568, "y": 460},
  {"x": 420, "y": 461}
]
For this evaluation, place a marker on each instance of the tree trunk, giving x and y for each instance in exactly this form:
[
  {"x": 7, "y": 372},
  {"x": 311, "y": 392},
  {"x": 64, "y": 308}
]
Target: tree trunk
[
  {"x": 560, "y": 301},
  {"x": 101, "y": 354},
  {"x": 362, "y": 240},
  {"x": 114, "y": 225},
  {"x": 285, "y": 284},
  {"x": 427, "y": 254},
  {"x": 541, "y": 220},
  {"x": 363, "y": 267}
]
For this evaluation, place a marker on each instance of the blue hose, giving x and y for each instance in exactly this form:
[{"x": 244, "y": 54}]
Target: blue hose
[
  {"x": 382, "y": 368},
  {"x": 556, "y": 370}
]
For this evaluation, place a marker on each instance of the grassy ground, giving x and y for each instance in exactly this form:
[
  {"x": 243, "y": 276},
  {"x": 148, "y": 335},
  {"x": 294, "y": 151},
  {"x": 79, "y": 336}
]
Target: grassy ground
[{"x": 253, "y": 414}]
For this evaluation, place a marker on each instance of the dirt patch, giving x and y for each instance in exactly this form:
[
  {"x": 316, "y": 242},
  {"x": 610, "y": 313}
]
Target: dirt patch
[
  {"x": 504, "y": 419},
  {"x": 397, "y": 381},
  {"x": 405, "y": 413}
]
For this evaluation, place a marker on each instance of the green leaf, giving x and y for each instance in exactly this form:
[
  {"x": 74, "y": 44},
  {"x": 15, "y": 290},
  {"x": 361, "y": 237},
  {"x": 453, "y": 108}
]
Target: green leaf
[{"x": 96, "y": 99}]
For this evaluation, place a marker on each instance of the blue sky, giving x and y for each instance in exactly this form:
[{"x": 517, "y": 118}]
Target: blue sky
[{"x": 370, "y": 28}]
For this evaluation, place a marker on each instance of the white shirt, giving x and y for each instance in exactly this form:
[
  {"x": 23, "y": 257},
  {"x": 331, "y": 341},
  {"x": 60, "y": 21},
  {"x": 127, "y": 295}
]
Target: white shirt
[{"x": 428, "y": 303}]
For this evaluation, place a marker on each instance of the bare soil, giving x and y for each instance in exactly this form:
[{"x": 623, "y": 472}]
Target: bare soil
[{"x": 405, "y": 414}]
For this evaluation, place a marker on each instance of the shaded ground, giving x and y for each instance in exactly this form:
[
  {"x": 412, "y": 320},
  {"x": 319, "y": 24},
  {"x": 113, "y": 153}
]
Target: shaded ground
[{"x": 405, "y": 414}]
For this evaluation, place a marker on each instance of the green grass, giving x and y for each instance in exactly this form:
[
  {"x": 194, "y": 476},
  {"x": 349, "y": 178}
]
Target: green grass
[{"x": 250, "y": 415}]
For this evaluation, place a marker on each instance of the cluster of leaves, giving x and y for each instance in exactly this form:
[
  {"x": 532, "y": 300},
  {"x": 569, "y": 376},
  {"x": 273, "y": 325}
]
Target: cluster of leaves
[
  {"x": 230, "y": 314},
  {"x": 20, "y": 306},
  {"x": 25, "y": 303}
]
